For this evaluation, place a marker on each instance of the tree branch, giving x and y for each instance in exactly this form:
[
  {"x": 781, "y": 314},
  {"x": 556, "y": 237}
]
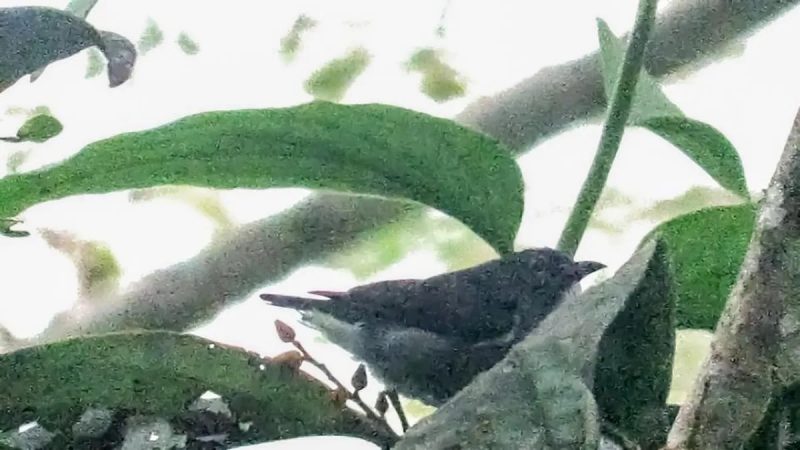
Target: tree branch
[
  {"x": 558, "y": 97},
  {"x": 740, "y": 376},
  {"x": 182, "y": 295}
]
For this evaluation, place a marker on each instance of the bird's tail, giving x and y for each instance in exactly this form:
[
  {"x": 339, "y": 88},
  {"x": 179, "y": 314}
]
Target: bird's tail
[{"x": 299, "y": 303}]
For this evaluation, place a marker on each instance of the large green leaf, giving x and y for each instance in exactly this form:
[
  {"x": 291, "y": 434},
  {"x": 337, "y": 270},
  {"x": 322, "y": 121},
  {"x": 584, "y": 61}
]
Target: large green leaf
[
  {"x": 706, "y": 249},
  {"x": 48, "y": 35},
  {"x": 160, "y": 374},
  {"x": 369, "y": 149},
  {"x": 633, "y": 370},
  {"x": 652, "y": 110}
]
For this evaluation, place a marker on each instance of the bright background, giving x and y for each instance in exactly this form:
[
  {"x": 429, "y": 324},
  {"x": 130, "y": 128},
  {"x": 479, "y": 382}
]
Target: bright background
[{"x": 750, "y": 95}]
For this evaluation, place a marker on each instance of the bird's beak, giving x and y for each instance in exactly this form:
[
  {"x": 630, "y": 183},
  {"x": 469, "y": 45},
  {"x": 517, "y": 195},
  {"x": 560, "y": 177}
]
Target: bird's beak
[{"x": 583, "y": 268}]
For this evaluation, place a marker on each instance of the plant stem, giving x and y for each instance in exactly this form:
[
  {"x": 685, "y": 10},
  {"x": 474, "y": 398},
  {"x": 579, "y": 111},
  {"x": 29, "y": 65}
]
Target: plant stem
[
  {"x": 618, "y": 110},
  {"x": 354, "y": 396},
  {"x": 394, "y": 398}
]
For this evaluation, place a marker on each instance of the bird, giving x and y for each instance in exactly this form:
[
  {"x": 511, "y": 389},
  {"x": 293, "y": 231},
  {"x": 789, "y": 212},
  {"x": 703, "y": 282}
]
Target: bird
[
  {"x": 429, "y": 338},
  {"x": 474, "y": 304}
]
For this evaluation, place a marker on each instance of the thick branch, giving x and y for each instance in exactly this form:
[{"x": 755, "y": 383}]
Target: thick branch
[
  {"x": 739, "y": 378},
  {"x": 568, "y": 94},
  {"x": 184, "y": 294}
]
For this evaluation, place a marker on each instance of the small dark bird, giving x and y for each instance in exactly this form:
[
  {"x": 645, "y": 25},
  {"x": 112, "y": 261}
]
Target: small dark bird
[{"x": 430, "y": 337}]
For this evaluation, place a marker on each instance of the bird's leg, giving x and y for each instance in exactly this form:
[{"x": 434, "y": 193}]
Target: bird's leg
[{"x": 394, "y": 398}]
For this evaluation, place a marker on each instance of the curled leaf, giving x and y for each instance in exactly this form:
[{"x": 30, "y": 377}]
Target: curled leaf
[
  {"x": 359, "y": 380},
  {"x": 48, "y": 35},
  {"x": 285, "y": 332}
]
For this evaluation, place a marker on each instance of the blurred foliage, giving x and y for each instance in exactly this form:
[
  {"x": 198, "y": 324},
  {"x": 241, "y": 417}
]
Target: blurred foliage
[
  {"x": 151, "y": 37},
  {"x": 697, "y": 197},
  {"x": 439, "y": 81},
  {"x": 98, "y": 268},
  {"x": 290, "y": 43},
  {"x": 454, "y": 243},
  {"x": 187, "y": 44},
  {"x": 95, "y": 63},
  {"x": 416, "y": 409},
  {"x": 30, "y": 112},
  {"x": 333, "y": 80},
  {"x": 691, "y": 350},
  {"x": 206, "y": 201},
  {"x": 16, "y": 159}
]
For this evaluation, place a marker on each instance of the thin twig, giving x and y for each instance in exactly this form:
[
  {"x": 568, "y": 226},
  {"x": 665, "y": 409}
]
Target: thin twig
[
  {"x": 351, "y": 395},
  {"x": 398, "y": 408}
]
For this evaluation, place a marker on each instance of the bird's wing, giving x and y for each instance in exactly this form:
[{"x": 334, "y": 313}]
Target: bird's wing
[
  {"x": 299, "y": 303},
  {"x": 329, "y": 294}
]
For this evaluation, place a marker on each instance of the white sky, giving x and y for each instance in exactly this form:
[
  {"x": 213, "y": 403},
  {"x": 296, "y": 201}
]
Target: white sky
[{"x": 752, "y": 99}]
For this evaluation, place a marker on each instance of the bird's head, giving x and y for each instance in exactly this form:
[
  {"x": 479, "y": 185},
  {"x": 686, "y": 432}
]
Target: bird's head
[{"x": 555, "y": 262}]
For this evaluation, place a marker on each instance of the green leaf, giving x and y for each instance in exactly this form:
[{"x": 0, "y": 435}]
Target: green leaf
[
  {"x": 369, "y": 149},
  {"x": 633, "y": 372},
  {"x": 94, "y": 64},
  {"x": 706, "y": 249},
  {"x": 187, "y": 44},
  {"x": 652, "y": 109},
  {"x": 333, "y": 80},
  {"x": 160, "y": 374},
  {"x": 39, "y": 128},
  {"x": 706, "y": 146},
  {"x": 48, "y": 35},
  {"x": 151, "y": 37},
  {"x": 290, "y": 43},
  {"x": 648, "y": 101}
]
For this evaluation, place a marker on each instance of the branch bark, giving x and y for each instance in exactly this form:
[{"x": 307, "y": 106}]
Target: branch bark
[
  {"x": 741, "y": 375},
  {"x": 185, "y": 294}
]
